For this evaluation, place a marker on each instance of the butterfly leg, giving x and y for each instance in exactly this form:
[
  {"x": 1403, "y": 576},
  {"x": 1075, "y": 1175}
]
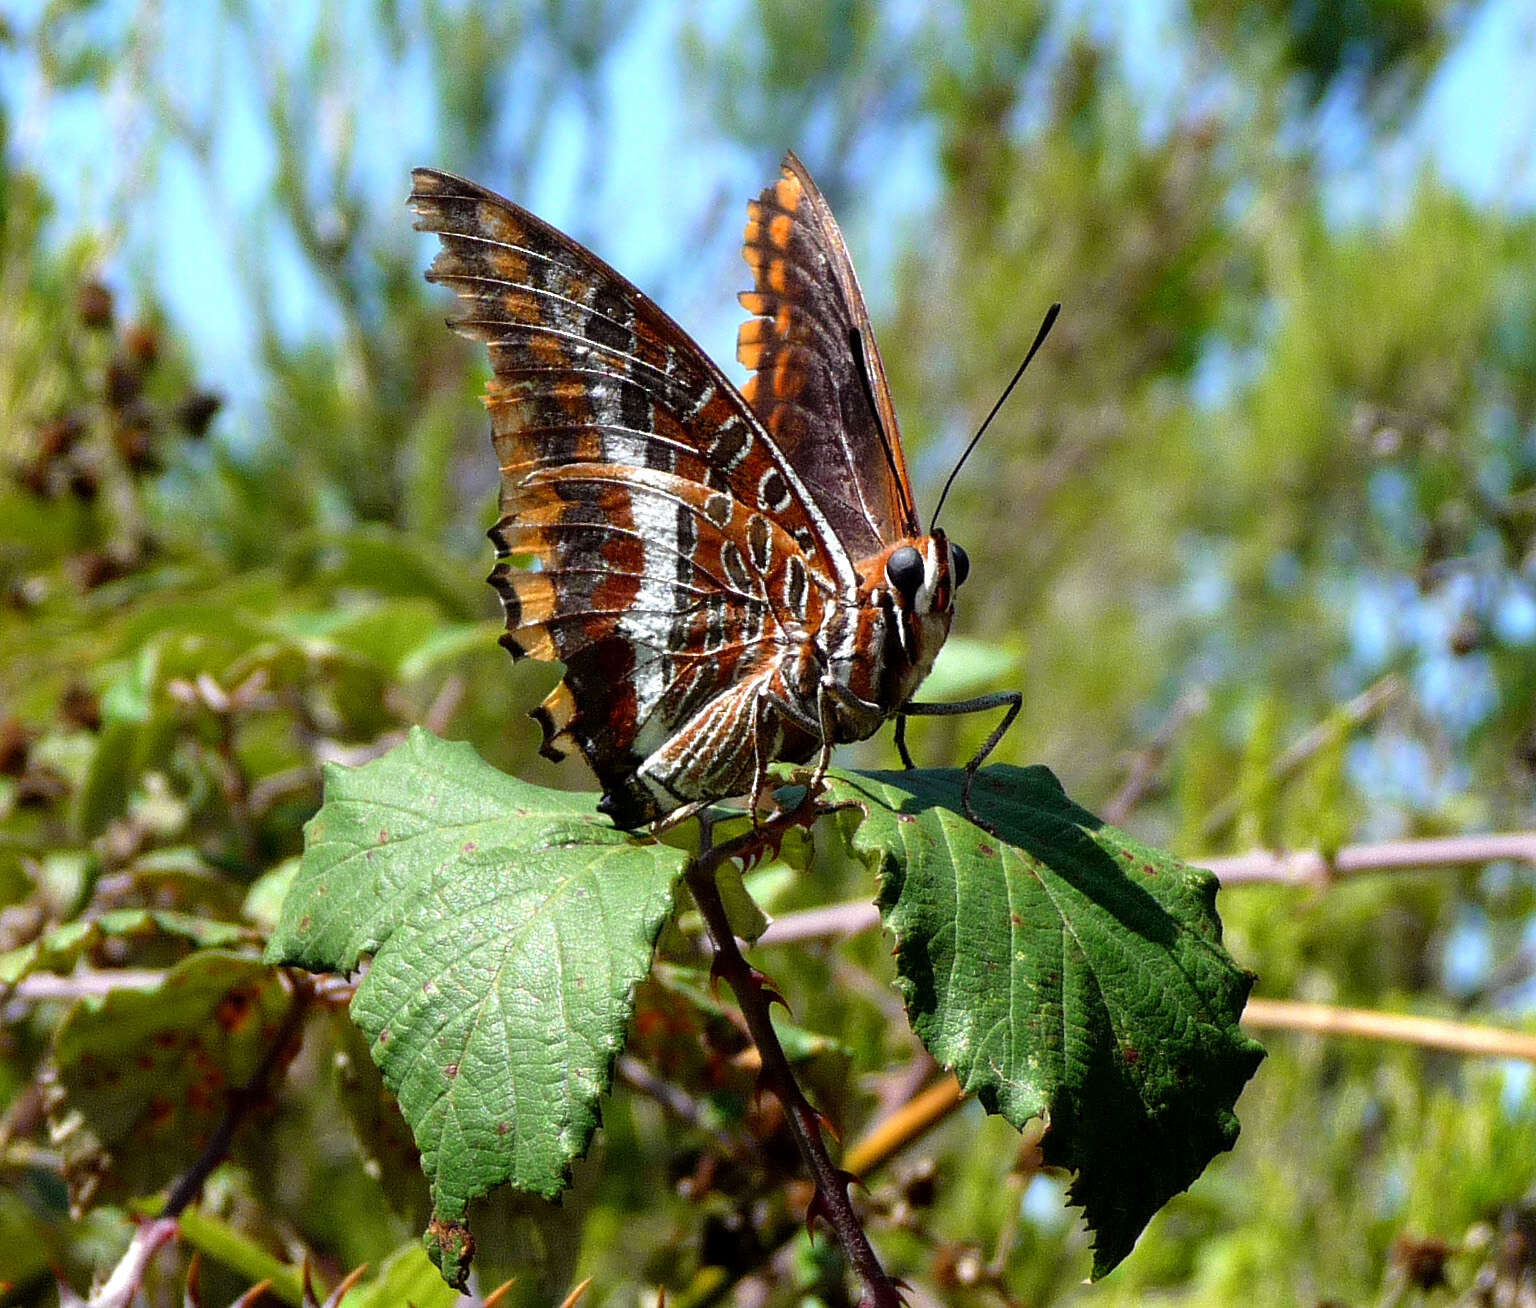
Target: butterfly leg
[
  {"x": 678, "y": 816},
  {"x": 1013, "y": 699},
  {"x": 759, "y": 760},
  {"x": 901, "y": 741},
  {"x": 824, "y": 695}
]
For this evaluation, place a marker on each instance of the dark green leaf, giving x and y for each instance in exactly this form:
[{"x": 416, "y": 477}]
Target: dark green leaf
[
  {"x": 381, "y": 1131},
  {"x": 1066, "y": 972}
]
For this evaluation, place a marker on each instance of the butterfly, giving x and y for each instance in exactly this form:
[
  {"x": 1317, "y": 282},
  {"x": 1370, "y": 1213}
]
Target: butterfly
[{"x": 730, "y": 577}]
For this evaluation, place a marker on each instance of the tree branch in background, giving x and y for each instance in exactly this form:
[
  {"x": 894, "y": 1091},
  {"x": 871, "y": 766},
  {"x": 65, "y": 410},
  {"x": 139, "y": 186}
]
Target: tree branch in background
[
  {"x": 1343, "y": 720},
  {"x": 914, "y": 1118},
  {"x": 1314, "y": 868},
  {"x": 1142, "y": 778},
  {"x": 1260, "y": 867},
  {"x": 1398, "y": 1028}
]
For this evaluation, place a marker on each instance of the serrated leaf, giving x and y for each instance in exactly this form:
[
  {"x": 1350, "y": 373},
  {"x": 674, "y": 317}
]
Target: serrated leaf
[
  {"x": 60, "y": 949},
  {"x": 142, "y": 1077},
  {"x": 508, "y": 926},
  {"x": 1064, "y": 971}
]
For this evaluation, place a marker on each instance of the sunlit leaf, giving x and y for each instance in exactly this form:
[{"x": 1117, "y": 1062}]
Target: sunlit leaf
[{"x": 508, "y": 926}]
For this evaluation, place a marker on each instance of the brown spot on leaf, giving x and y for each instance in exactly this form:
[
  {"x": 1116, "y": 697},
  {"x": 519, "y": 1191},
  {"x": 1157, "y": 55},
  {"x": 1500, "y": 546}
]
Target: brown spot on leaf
[
  {"x": 470, "y": 846},
  {"x": 236, "y": 1010},
  {"x": 452, "y": 1070}
]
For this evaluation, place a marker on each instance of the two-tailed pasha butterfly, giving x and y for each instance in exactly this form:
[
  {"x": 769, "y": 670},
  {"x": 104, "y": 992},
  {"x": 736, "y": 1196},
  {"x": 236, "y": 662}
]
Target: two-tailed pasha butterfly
[{"x": 730, "y": 577}]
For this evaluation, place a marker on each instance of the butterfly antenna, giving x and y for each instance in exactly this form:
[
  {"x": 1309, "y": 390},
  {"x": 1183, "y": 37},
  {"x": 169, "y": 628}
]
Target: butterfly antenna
[{"x": 1045, "y": 330}]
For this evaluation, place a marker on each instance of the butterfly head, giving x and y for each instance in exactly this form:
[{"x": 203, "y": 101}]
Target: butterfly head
[{"x": 918, "y": 578}]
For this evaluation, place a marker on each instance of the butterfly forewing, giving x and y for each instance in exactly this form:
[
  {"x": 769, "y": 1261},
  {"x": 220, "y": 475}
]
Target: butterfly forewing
[
  {"x": 817, "y": 380},
  {"x": 675, "y": 543}
]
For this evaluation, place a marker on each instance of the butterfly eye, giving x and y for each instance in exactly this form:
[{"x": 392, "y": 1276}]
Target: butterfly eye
[
  {"x": 904, "y": 570},
  {"x": 960, "y": 565}
]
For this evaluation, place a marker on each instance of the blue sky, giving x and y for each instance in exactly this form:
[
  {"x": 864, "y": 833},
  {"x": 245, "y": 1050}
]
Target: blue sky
[{"x": 1475, "y": 128}]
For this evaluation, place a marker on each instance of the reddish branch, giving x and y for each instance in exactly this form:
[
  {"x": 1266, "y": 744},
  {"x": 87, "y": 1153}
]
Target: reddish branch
[
  {"x": 756, "y": 997},
  {"x": 1312, "y": 867}
]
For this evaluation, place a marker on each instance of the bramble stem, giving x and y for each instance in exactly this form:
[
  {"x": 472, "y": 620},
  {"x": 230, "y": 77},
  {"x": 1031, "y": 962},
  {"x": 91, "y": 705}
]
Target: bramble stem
[{"x": 755, "y": 997}]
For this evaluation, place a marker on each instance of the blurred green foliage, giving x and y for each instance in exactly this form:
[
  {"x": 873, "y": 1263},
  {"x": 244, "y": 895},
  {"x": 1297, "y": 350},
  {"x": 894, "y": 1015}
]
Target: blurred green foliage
[{"x": 1270, "y": 457}]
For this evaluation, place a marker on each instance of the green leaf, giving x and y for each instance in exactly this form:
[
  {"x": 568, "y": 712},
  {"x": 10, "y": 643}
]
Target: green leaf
[
  {"x": 60, "y": 949},
  {"x": 446, "y": 643},
  {"x": 508, "y": 926},
  {"x": 1063, "y": 972},
  {"x": 264, "y": 900},
  {"x": 746, "y": 917},
  {"x": 967, "y": 666},
  {"x": 142, "y": 1077},
  {"x": 240, "y": 1251},
  {"x": 406, "y": 1277}
]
